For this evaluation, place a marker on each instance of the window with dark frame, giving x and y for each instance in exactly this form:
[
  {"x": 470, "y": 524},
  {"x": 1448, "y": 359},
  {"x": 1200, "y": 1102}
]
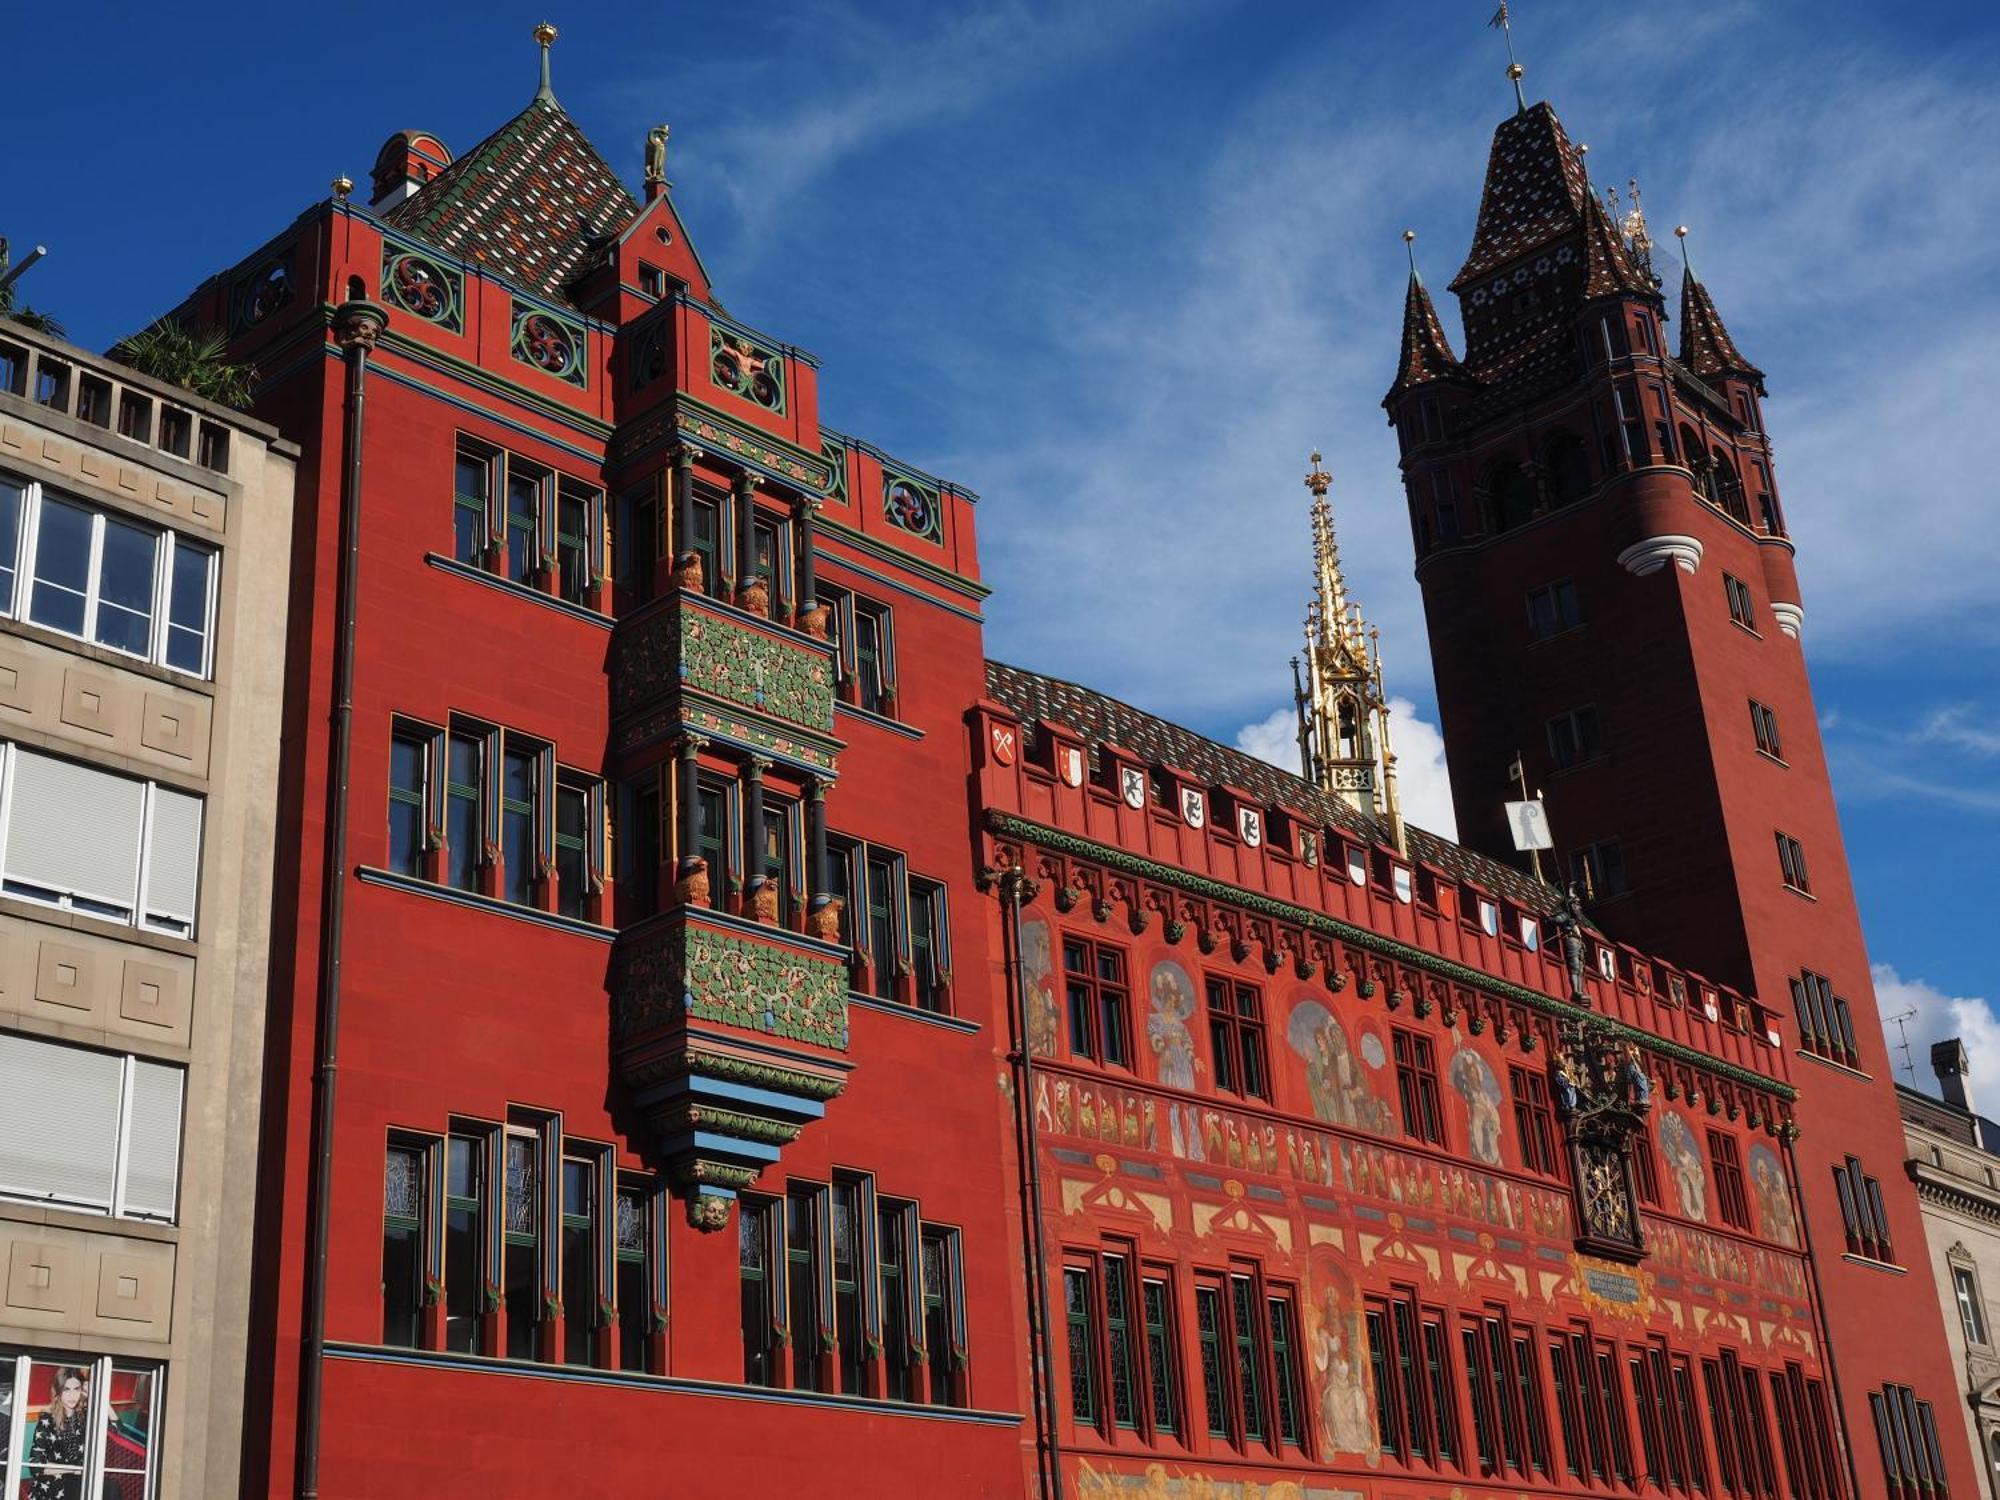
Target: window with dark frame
[
  {"x": 1764, "y": 729},
  {"x": 862, "y": 634},
  {"x": 1792, "y": 864},
  {"x": 1236, "y": 1037},
  {"x": 404, "y": 1195},
  {"x": 1510, "y": 1427},
  {"x": 1742, "y": 609},
  {"x": 1535, "y": 1122},
  {"x": 756, "y": 1262},
  {"x": 1415, "y": 1410},
  {"x": 525, "y": 522},
  {"x": 1862, "y": 1216},
  {"x": 1726, "y": 1167},
  {"x": 1971, "y": 1307},
  {"x": 1553, "y": 609},
  {"x": 1417, "y": 1086},
  {"x": 1574, "y": 738},
  {"x": 1826, "y": 1024},
  {"x": 1098, "y": 1000},
  {"x": 1906, "y": 1430},
  {"x": 1599, "y": 870}
]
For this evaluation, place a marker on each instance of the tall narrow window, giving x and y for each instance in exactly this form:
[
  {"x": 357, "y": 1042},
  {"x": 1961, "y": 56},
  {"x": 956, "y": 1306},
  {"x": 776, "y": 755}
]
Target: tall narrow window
[
  {"x": 572, "y": 833},
  {"x": 633, "y": 1230},
  {"x": 464, "y": 1229},
  {"x": 1417, "y": 1086},
  {"x": 524, "y": 501},
  {"x": 844, "y": 1206},
  {"x": 579, "y": 1260},
  {"x": 1727, "y": 1168},
  {"x": 1764, "y": 729},
  {"x": 892, "y": 1251},
  {"x": 403, "y": 1194},
  {"x": 1079, "y": 1315},
  {"x": 472, "y": 495},
  {"x": 927, "y": 942},
  {"x": 770, "y": 536},
  {"x": 521, "y": 1239},
  {"x": 517, "y": 823},
  {"x": 1208, "y": 1333},
  {"x": 1742, "y": 608},
  {"x": 573, "y": 541},
  {"x": 13, "y": 504},
  {"x": 1792, "y": 864},
  {"x": 1249, "y": 1365},
  {"x": 704, "y": 540},
  {"x": 755, "y": 1239},
  {"x": 943, "y": 1307},
  {"x": 711, "y": 834},
  {"x": 1534, "y": 1122},
  {"x": 1118, "y": 1328},
  {"x": 462, "y": 810},
  {"x": 409, "y": 756},
  {"x": 1236, "y": 1037},
  {"x": 1098, "y": 1002},
  {"x": 884, "y": 951},
  {"x": 802, "y": 1252},
  {"x": 1286, "y": 1389},
  {"x": 870, "y": 657},
  {"x": 1971, "y": 1311},
  {"x": 1861, "y": 1212},
  {"x": 1162, "y": 1365}
]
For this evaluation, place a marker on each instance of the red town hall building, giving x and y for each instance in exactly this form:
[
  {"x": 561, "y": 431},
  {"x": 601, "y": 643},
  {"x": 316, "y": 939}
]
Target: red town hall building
[{"x": 737, "y": 1038}]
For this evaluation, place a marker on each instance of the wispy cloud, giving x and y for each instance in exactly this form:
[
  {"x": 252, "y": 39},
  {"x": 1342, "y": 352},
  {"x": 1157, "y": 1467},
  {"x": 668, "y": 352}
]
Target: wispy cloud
[{"x": 1945, "y": 758}]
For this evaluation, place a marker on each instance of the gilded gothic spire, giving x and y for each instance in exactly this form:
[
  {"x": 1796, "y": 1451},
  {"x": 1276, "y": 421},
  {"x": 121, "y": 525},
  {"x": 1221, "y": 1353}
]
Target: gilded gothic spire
[{"x": 1343, "y": 710}]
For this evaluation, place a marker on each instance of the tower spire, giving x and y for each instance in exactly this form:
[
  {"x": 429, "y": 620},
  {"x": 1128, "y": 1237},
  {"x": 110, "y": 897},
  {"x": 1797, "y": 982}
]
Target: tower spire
[
  {"x": 1427, "y": 353},
  {"x": 545, "y": 36},
  {"x": 1346, "y": 728},
  {"x": 1706, "y": 345}
]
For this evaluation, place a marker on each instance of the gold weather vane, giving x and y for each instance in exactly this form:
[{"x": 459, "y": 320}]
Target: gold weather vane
[
  {"x": 1343, "y": 710},
  {"x": 1503, "y": 23}
]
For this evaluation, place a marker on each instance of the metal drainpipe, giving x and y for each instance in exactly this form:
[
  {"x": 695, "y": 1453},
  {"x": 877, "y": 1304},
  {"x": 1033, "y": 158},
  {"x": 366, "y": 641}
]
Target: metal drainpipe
[
  {"x": 356, "y": 326},
  {"x": 1819, "y": 1317},
  {"x": 1048, "y": 1445}
]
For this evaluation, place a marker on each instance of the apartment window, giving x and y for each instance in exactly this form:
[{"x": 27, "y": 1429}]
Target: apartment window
[
  {"x": 409, "y": 756},
  {"x": 403, "y": 1198},
  {"x": 572, "y": 841},
  {"x": 1417, "y": 1086},
  {"x": 1741, "y": 609},
  {"x": 1249, "y": 1397},
  {"x": 525, "y": 522},
  {"x": 1535, "y": 1122},
  {"x": 843, "y": 1206},
  {"x": 1906, "y": 1429},
  {"x": 1552, "y": 609},
  {"x": 1236, "y": 1037},
  {"x": 579, "y": 1258},
  {"x": 756, "y": 1249},
  {"x": 521, "y": 1221},
  {"x": 465, "y": 1207},
  {"x": 885, "y": 913},
  {"x": 106, "y": 846},
  {"x": 1792, "y": 864},
  {"x": 1574, "y": 737},
  {"x": 864, "y": 641},
  {"x": 1599, "y": 870},
  {"x": 1861, "y": 1212},
  {"x": 1099, "y": 1002},
  {"x": 83, "y": 1426},
  {"x": 1764, "y": 727},
  {"x": 1510, "y": 1429},
  {"x": 1727, "y": 1168},
  {"x": 88, "y": 573},
  {"x": 928, "y": 952},
  {"x": 1971, "y": 1311},
  {"x": 92, "y": 1132},
  {"x": 1415, "y": 1409},
  {"x": 1826, "y": 1025},
  {"x": 943, "y": 1313}
]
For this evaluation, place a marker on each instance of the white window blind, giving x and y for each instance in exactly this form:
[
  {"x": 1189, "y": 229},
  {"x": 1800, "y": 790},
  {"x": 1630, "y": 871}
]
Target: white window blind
[
  {"x": 74, "y": 830},
  {"x": 153, "y": 1141},
  {"x": 59, "y": 1122},
  {"x": 173, "y": 858}
]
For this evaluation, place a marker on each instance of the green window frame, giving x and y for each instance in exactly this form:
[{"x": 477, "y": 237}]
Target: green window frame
[
  {"x": 1156, "y": 1301},
  {"x": 755, "y": 1241},
  {"x": 632, "y": 1241},
  {"x": 521, "y": 1292},
  {"x": 405, "y": 1192},
  {"x": 803, "y": 1248},
  {"x": 1285, "y": 1368},
  {"x": 472, "y": 498},
  {"x": 518, "y": 790},
  {"x": 526, "y": 493},
  {"x": 898, "y": 1373},
  {"x": 572, "y": 541},
  {"x": 464, "y": 1234},
  {"x": 579, "y": 1259},
  {"x": 463, "y": 756},
  {"x": 409, "y": 775},
  {"x": 1079, "y": 1307},
  {"x": 572, "y": 832},
  {"x": 1208, "y": 1332},
  {"x": 1123, "y": 1366}
]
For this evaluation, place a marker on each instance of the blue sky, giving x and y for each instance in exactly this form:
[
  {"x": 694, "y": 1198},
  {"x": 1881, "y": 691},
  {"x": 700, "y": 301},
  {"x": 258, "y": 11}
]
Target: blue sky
[{"x": 1119, "y": 268}]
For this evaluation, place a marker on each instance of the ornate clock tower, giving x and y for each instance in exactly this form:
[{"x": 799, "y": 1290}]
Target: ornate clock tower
[{"x": 1609, "y": 586}]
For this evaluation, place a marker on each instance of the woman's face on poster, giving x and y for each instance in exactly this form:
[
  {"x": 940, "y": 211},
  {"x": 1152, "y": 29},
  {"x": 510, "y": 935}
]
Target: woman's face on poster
[{"x": 71, "y": 1394}]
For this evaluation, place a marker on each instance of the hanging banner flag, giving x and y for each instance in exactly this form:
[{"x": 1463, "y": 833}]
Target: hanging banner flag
[{"x": 1529, "y": 822}]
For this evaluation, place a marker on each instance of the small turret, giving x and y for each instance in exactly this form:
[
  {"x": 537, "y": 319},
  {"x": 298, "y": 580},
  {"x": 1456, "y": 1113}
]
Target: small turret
[
  {"x": 1706, "y": 347},
  {"x": 1427, "y": 354}
]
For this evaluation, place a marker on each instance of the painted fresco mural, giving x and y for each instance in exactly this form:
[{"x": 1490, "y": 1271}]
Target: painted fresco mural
[
  {"x": 1340, "y": 1071},
  {"x": 1682, "y": 1149},
  {"x": 1337, "y": 1361},
  {"x": 1038, "y": 985},
  {"x": 1472, "y": 1079},
  {"x": 1775, "y": 1216},
  {"x": 1156, "y": 1482},
  {"x": 1167, "y": 1036}
]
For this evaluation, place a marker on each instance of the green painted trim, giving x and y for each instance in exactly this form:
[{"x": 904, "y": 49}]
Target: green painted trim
[
  {"x": 935, "y": 572},
  {"x": 1009, "y": 826},
  {"x": 471, "y": 374},
  {"x": 818, "y": 472}
]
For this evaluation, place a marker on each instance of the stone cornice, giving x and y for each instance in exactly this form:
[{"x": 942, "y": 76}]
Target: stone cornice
[
  {"x": 1008, "y": 825},
  {"x": 1947, "y": 1191}
]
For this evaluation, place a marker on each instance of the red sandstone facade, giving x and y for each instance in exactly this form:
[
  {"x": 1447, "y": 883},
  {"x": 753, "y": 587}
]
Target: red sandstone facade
[{"x": 652, "y": 1161}]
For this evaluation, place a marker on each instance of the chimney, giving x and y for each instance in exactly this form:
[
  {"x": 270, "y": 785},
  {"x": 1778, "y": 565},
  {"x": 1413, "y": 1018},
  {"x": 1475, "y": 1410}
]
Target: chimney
[{"x": 1949, "y": 1062}]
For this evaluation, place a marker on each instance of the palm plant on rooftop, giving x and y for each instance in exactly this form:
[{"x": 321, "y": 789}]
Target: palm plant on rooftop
[
  {"x": 11, "y": 307},
  {"x": 196, "y": 359}
]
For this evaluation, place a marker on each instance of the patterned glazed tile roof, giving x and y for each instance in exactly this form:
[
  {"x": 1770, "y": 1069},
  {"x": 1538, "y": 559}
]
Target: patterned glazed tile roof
[
  {"x": 1098, "y": 718},
  {"x": 531, "y": 201},
  {"x": 1706, "y": 347},
  {"x": 1609, "y": 268},
  {"x": 1427, "y": 352},
  {"x": 1535, "y": 191}
]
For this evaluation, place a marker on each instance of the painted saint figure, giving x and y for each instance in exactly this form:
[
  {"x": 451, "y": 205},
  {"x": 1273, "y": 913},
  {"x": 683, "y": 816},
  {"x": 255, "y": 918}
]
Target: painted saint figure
[
  {"x": 1340, "y": 1370},
  {"x": 1166, "y": 1028},
  {"x": 1473, "y": 1078},
  {"x": 1683, "y": 1154},
  {"x": 1038, "y": 987},
  {"x": 1775, "y": 1215},
  {"x": 1336, "y": 1070}
]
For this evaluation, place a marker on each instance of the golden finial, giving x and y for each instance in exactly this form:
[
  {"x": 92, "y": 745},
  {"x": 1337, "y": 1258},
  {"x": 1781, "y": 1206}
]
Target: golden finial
[
  {"x": 545, "y": 36},
  {"x": 1681, "y": 234},
  {"x": 1318, "y": 480},
  {"x": 1503, "y": 23},
  {"x": 342, "y": 186},
  {"x": 1410, "y": 248}
]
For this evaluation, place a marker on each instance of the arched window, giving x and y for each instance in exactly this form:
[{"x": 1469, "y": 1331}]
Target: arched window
[
  {"x": 1568, "y": 467},
  {"x": 1727, "y": 484},
  {"x": 1513, "y": 495},
  {"x": 1692, "y": 448},
  {"x": 1347, "y": 728}
]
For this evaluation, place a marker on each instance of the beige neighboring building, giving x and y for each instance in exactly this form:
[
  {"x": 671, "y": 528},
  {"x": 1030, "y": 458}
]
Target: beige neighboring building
[
  {"x": 1954, "y": 1159},
  {"x": 144, "y": 558}
]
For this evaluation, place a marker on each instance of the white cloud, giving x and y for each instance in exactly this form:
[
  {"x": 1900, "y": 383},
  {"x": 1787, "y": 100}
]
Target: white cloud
[
  {"x": 1932, "y": 1016},
  {"x": 1420, "y": 767}
]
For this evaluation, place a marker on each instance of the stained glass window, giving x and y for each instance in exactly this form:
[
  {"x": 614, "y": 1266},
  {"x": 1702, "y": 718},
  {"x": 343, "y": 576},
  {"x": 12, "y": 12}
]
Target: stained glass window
[
  {"x": 1118, "y": 1323},
  {"x": 1208, "y": 1325},
  {"x": 1160, "y": 1356},
  {"x": 1082, "y": 1346}
]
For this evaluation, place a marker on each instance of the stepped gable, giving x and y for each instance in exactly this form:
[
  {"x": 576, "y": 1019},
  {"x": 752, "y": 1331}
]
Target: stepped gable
[
  {"x": 533, "y": 202},
  {"x": 1098, "y": 718}
]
